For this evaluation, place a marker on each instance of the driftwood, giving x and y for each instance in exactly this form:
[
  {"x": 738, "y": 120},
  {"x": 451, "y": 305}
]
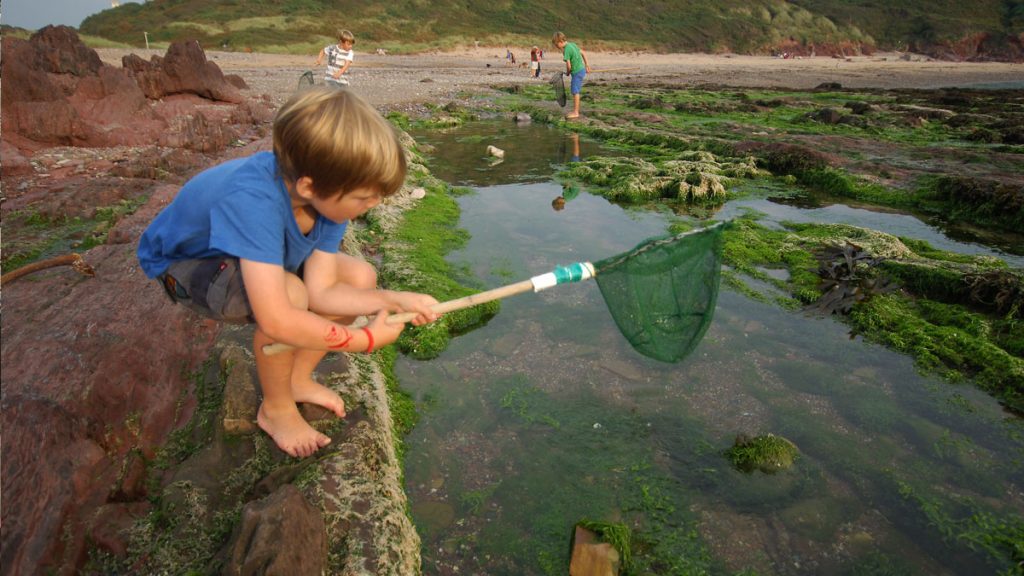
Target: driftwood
[{"x": 74, "y": 260}]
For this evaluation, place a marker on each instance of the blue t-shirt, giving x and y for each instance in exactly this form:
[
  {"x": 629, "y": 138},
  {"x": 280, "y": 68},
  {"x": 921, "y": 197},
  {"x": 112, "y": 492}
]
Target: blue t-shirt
[{"x": 240, "y": 208}]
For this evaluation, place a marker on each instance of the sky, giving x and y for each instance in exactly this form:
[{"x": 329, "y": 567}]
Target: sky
[{"x": 34, "y": 14}]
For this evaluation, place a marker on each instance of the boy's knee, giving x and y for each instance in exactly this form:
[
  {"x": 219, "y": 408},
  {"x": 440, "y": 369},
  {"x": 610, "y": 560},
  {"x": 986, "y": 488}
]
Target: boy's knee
[
  {"x": 297, "y": 293},
  {"x": 365, "y": 276},
  {"x": 356, "y": 272}
]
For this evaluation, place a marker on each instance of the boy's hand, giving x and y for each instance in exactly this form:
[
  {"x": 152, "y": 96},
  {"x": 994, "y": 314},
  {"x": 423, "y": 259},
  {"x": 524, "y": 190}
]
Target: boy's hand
[
  {"x": 415, "y": 302},
  {"x": 384, "y": 333}
]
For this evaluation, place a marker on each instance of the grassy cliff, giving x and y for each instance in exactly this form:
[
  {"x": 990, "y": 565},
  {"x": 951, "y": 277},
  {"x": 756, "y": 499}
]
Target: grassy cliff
[{"x": 752, "y": 26}]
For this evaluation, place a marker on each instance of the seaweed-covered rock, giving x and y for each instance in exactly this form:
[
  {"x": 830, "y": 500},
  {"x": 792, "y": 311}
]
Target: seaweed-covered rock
[
  {"x": 825, "y": 116},
  {"x": 768, "y": 453},
  {"x": 859, "y": 107},
  {"x": 695, "y": 176},
  {"x": 849, "y": 275},
  {"x": 782, "y": 158},
  {"x": 1001, "y": 201}
]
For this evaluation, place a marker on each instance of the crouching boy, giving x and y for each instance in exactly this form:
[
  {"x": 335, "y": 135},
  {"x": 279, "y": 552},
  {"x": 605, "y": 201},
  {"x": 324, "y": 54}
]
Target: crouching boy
[{"x": 257, "y": 239}]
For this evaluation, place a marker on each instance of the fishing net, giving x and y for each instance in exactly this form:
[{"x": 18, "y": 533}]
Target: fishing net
[
  {"x": 558, "y": 83},
  {"x": 662, "y": 293},
  {"x": 306, "y": 80}
]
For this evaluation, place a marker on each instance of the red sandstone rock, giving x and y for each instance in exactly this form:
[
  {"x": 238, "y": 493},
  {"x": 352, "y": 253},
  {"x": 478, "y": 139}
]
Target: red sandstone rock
[
  {"x": 12, "y": 163},
  {"x": 94, "y": 370},
  {"x": 58, "y": 92},
  {"x": 61, "y": 52},
  {"x": 280, "y": 534},
  {"x": 183, "y": 70}
]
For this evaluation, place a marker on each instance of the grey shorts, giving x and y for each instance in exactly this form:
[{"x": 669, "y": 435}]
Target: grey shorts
[{"x": 212, "y": 287}]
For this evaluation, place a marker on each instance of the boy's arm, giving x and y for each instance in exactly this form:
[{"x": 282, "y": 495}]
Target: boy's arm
[
  {"x": 267, "y": 287},
  {"x": 320, "y": 56},
  {"x": 343, "y": 69},
  {"x": 329, "y": 296},
  {"x": 586, "y": 65}
]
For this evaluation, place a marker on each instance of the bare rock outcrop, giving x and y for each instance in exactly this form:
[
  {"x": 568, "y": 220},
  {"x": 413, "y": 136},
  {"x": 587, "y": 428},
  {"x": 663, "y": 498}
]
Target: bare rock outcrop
[
  {"x": 58, "y": 92},
  {"x": 279, "y": 534},
  {"x": 183, "y": 70},
  {"x": 95, "y": 376}
]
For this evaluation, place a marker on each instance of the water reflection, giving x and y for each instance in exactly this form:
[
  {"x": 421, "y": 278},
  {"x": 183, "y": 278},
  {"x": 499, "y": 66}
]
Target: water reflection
[
  {"x": 533, "y": 152},
  {"x": 570, "y": 190}
]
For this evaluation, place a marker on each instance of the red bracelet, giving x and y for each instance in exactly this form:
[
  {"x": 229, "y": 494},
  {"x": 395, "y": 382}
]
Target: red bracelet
[{"x": 369, "y": 337}]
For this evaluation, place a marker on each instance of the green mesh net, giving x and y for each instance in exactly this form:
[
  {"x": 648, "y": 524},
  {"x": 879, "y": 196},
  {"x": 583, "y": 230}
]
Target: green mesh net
[
  {"x": 558, "y": 83},
  {"x": 662, "y": 293}
]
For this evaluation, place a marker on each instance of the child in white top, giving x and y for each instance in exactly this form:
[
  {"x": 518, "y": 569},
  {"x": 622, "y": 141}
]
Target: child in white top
[{"x": 339, "y": 59}]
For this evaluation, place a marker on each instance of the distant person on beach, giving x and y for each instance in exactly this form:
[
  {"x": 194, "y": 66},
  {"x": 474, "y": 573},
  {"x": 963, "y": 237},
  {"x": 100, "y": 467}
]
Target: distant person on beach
[
  {"x": 339, "y": 59},
  {"x": 535, "y": 61},
  {"x": 256, "y": 239},
  {"x": 576, "y": 65}
]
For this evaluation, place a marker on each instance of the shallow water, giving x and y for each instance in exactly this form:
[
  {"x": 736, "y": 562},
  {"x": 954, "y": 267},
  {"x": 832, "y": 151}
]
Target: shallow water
[{"x": 546, "y": 416}]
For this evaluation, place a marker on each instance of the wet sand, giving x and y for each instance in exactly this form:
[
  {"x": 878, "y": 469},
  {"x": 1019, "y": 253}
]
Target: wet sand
[{"x": 398, "y": 81}]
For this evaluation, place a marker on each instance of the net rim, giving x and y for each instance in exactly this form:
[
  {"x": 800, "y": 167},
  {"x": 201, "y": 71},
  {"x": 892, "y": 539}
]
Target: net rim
[{"x": 654, "y": 244}]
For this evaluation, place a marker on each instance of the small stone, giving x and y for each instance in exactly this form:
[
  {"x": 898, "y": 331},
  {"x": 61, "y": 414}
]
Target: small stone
[{"x": 591, "y": 557}]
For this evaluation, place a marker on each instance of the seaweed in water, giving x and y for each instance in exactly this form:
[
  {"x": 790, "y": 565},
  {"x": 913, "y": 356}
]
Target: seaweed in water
[
  {"x": 1001, "y": 290},
  {"x": 849, "y": 275},
  {"x": 768, "y": 453}
]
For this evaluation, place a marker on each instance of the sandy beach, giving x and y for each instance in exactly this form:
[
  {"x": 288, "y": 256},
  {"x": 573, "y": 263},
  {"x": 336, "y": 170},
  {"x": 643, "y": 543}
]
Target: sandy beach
[{"x": 396, "y": 81}]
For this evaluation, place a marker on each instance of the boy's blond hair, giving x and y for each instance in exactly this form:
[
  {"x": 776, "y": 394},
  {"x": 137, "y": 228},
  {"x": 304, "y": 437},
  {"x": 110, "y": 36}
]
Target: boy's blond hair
[
  {"x": 558, "y": 37},
  {"x": 344, "y": 35},
  {"x": 339, "y": 141}
]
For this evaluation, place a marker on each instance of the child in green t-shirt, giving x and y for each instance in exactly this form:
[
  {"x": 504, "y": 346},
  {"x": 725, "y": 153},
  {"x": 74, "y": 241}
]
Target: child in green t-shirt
[{"x": 576, "y": 65}]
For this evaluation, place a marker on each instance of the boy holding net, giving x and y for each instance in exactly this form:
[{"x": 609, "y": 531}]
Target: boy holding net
[
  {"x": 576, "y": 65},
  {"x": 339, "y": 59},
  {"x": 256, "y": 240}
]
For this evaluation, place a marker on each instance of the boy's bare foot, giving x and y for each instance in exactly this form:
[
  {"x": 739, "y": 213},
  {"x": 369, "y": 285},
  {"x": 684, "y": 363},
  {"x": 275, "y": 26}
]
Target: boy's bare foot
[
  {"x": 308, "y": 390},
  {"x": 290, "y": 431},
  {"x": 571, "y": 116}
]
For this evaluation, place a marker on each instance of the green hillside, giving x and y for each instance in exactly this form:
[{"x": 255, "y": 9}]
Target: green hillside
[{"x": 741, "y": 26}]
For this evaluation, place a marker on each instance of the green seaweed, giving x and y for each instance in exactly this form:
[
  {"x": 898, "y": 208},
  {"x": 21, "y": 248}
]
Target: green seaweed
[
  {"x": 413, "y": 260},
  {"x": 897, "y": 322},
  {"x": 693, "y": 176},
  {"x": 31, "y": 236},
  {"x": 963, "y": 522},
  {"x": 614, "y": 533},
  {"x": 768, "y": 453}
]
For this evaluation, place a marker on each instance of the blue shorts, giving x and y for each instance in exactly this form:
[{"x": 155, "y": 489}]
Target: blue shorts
[{"x": 577, "y": 82}]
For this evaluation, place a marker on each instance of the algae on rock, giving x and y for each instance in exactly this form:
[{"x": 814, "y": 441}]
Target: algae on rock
[
  {"x": 768, "y": 453},
  {"x": 694, "y": 176}
]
